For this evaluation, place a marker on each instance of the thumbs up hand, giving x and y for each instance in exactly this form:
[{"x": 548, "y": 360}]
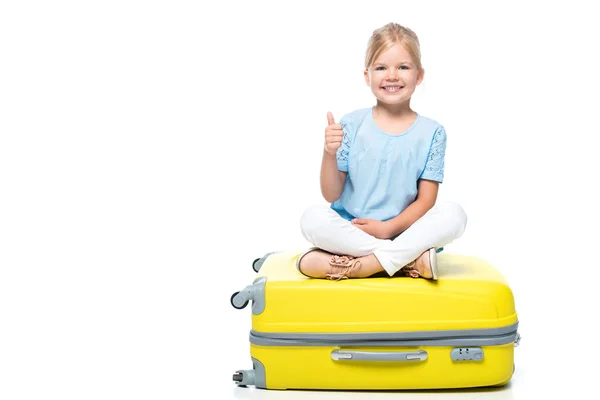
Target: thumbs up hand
[{"x": 333, "y": 135}]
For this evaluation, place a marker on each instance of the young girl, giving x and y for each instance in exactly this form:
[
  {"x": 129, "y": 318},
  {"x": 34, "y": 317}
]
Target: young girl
[{"x": 380, "y": 171}]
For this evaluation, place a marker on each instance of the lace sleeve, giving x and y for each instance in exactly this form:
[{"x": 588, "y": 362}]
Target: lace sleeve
[
  {"x": 344, "y": 149},
  {"x": 434, "y": 167}
]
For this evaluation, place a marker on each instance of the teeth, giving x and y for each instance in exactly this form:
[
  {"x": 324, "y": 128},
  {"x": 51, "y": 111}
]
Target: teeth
[{"x": 392, "y": 88}]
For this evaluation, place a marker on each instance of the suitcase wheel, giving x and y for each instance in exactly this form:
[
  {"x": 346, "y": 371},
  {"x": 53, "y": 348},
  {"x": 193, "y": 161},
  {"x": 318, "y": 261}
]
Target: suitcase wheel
[
  {"x": 258, "y": 263},
  {"x": 236, "y": 306},
  {"x": 255, "y": 267},
  {"x": 245, "y": 378},
  {"x": 238, "y": 377}
]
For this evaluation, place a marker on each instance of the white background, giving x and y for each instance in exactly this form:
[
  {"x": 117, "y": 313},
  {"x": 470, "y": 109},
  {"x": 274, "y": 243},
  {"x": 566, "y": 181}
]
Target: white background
[{"x": 150, "y": 150}]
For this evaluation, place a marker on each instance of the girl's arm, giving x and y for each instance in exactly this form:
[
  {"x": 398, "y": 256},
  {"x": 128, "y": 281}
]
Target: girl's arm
[
  {"x": 332, "y": 179},
  {"x": 426, "y": 196}
]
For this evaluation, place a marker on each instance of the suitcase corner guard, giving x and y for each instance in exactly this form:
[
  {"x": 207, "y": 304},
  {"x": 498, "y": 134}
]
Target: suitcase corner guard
[
  {"x": 254, "y": 292},
  {"x": 253, "y": 377}
]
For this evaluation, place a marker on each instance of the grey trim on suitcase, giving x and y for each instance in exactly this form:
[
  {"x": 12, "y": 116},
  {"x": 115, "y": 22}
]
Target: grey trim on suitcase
[
  {"x": 254, "y": 292},
  {"x": 464, "y": 338},
  {"x": 260, "y": 375},
  {"x": 256, "y": 376},
  {"x": 448, "y": 334},
  {"x": 258, "y": 303},
  {"x": 462, "y": 342}
]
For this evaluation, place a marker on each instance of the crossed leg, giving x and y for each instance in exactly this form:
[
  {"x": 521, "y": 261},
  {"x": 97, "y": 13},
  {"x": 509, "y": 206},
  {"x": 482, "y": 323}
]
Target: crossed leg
[{"x": 366, "y": 255}]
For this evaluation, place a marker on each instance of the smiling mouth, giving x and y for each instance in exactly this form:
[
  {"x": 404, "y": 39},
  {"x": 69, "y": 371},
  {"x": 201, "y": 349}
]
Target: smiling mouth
[{"x": 392, "y": 89}]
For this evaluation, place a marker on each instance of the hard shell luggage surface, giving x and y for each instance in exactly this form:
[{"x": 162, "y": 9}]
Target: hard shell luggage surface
[{"x": 379, "y": 333}]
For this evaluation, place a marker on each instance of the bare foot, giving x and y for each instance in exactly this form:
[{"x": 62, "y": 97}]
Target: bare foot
[
  {"x": 369, "y": 265},
  {"x": 315, "y": 264}
]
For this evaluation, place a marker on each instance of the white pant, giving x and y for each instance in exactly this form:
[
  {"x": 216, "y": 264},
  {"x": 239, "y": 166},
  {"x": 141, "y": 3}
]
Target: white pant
[{"x": 324, "y": 228}]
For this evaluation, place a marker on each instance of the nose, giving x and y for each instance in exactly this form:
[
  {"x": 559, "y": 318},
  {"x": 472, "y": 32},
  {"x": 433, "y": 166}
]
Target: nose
[{"x": 392, "y": 75}]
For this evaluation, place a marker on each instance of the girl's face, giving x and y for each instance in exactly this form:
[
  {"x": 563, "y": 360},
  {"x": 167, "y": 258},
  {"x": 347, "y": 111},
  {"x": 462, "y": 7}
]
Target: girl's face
[{"x": 393, "y": 77}]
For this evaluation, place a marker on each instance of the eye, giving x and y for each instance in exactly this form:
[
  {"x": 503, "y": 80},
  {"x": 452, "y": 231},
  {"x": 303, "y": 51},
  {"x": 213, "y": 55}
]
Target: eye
[
  {"x": 404, "y": 67},
  {"x": 379, "y": 68}
]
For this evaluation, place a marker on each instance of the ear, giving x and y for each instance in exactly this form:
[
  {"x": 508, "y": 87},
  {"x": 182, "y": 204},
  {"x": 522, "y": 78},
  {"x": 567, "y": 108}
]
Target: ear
[
  {"x": 367, "y": 80},
  {"x": 420, "y": 76}
]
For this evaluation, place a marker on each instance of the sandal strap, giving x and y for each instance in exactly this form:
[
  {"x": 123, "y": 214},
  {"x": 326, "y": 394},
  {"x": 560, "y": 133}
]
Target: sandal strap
[
  {"x": 341, "y": 261},
  {"x": 410, "y": 270},
  {"x": 345, "y": 264}
]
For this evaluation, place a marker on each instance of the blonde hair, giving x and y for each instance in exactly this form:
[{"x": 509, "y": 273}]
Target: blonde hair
[{"x": 385, "y": 37}]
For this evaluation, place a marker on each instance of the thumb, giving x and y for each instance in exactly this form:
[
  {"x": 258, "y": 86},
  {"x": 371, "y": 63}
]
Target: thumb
[
  {"x": 330, "y": 119},
  {"x": 359, "y": 221}
]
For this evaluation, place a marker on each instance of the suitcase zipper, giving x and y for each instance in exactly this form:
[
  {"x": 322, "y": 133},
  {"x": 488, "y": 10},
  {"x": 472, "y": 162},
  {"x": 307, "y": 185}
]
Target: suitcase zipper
[{"x": 273, "y": 339}]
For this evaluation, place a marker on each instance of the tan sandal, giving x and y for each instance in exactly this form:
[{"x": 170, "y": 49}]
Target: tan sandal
[
  {"x": 345, "y": 264},
  {"x": 341, "y": 266},
  {"x": 430, "y": 273}
]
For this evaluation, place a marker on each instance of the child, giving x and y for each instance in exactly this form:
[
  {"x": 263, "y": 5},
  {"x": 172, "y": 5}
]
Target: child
[{"x": 380, "y": 171}]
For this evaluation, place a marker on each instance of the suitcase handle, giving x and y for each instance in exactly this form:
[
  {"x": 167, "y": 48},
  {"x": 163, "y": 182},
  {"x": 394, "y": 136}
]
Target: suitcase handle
[{"x": 347, "y": 355}]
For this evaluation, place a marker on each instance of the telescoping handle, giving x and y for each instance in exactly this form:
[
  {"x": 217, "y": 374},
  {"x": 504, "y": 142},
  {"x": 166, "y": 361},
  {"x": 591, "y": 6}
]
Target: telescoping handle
[{"x": 348, "y": 355}]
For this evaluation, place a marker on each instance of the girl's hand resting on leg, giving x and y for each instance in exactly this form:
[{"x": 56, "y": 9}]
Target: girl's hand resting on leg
[{"x": 373, "y": 227}]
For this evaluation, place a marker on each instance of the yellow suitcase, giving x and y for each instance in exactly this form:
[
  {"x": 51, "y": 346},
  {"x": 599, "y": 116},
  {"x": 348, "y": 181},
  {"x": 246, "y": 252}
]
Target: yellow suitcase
[{"x": 379, "y": 333}]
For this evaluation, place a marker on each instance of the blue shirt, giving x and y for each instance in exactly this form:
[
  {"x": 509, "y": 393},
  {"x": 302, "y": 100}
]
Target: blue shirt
[{"x": 383, "y": 169}]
